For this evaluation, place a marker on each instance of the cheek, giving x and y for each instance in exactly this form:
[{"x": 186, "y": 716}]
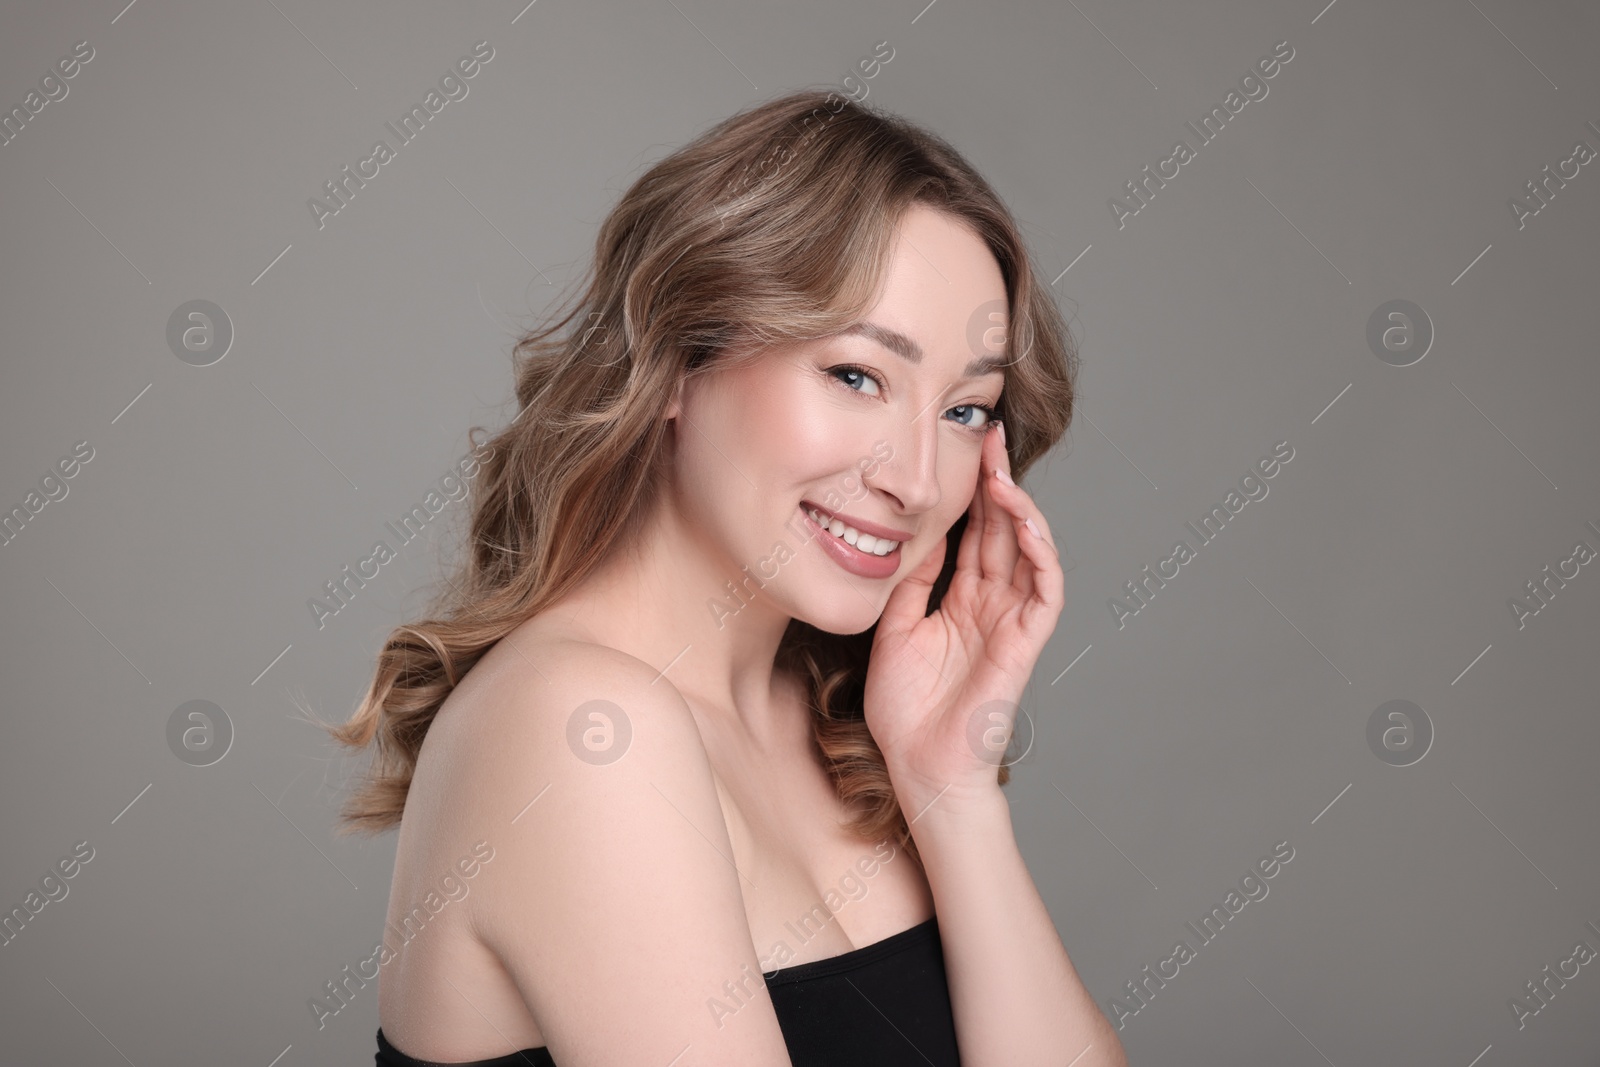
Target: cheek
[
  {"x": 799, "y": 430},
  {"x": 795, "y": 435},
  {"x": 776, "y": 434},
  {"x": 959, "y": 478}
]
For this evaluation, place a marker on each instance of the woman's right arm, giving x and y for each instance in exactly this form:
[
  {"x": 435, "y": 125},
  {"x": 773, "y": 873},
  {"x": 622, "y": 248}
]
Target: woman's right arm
[{"x": 612, "y": 900}]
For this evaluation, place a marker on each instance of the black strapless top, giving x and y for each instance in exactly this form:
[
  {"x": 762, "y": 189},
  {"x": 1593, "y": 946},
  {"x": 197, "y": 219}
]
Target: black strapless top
[{"x": 881, "y": 1005}]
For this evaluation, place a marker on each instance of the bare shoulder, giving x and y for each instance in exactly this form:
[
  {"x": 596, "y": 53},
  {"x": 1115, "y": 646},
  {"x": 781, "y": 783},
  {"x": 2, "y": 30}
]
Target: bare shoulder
[
  {"x": 535, "y": 687},
  {"x": 546, "y": 717},
  {"x": 612, "y": 896}
]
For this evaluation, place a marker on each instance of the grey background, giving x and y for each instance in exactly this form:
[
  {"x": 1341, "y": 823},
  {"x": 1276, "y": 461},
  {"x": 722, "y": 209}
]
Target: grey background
[{"x": 1228, "y": 315}]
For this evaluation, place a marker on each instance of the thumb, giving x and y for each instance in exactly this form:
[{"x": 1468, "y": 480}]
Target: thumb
[{"x": 908, "y": 604}]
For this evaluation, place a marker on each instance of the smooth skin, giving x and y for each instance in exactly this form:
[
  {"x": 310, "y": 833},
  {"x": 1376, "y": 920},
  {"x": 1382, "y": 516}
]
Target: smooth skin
[{"x": 631, "y": 906}]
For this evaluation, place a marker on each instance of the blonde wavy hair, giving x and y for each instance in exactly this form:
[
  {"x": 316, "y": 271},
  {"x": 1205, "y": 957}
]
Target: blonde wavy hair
[{"x": 773, "y": 226}]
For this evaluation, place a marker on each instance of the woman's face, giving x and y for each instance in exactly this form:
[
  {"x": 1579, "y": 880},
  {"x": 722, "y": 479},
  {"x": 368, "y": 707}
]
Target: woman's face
[{"x": 881, "y": 426}]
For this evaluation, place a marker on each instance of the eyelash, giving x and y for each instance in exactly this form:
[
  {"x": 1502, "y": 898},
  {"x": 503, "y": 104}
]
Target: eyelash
[{"x": 976, "y": 431}]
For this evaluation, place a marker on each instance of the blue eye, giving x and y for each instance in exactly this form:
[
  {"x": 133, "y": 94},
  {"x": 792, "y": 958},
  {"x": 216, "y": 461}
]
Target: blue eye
[
  {"x": 988, "y": 417},
  {"x": 863, "y": 375},
  {"x": 860, "y": 372}
]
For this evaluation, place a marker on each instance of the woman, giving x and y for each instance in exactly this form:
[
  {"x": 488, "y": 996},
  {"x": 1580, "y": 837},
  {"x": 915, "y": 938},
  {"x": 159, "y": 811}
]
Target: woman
[{"x": 684, "y": 747}]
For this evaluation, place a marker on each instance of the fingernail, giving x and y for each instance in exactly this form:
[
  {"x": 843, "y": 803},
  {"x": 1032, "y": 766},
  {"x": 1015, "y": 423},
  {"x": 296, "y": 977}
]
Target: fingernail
[
  {"x": 1028, "y": 522},
  {"x": 1003, "y": 476},
  {"x": 1002, "y": 432}
]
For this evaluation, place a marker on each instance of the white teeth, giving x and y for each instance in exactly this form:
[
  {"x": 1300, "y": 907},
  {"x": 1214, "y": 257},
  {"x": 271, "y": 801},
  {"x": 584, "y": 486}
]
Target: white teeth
[{"x": 849, "y": 534}]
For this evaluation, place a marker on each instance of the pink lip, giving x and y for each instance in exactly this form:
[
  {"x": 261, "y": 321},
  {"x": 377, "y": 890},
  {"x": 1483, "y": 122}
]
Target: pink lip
[
  {"x": 883, "y": 533},
  {"x": 849, "y": 557}
]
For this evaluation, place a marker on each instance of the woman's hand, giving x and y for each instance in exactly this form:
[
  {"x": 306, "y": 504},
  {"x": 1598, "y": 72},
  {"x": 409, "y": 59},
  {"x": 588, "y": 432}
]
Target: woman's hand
[{"x": 943, "y": 690}]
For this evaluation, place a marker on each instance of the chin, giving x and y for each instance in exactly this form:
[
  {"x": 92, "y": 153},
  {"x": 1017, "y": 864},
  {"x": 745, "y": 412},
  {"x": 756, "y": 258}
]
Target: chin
[{"x": 842, "y": 618}]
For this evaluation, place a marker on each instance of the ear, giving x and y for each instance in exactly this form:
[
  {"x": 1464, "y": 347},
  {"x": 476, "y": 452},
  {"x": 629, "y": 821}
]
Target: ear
[{"x": 675, "y": 405}]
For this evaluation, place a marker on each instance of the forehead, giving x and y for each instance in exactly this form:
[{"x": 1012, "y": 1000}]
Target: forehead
[{"x": 943, "y": 289}]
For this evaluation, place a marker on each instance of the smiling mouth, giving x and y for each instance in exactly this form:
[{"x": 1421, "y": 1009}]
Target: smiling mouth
[{"x": 843, "y": 531}]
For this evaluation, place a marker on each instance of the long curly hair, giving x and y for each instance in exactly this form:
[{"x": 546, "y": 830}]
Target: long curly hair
[{"x": 775, "y": 225}]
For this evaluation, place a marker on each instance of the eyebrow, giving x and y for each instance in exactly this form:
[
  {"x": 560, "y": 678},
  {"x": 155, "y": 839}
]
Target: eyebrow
[{"x": 911, "y": 352}]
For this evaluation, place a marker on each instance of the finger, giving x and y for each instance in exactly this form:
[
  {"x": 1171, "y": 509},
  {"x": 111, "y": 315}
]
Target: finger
[
  {"x": 1016, "y": 502},
  {"x": 967, "y": 552},
  {"x": 1039, "y": 572},
  {"x": 908, "y": 602},
  {"x": 1022, "y": 570},
  {"x": 998, "y": 549},
  {"x": 1022, "y": 573},
  {"x": 1023, "y": 510},
  {"x": 1038, "y": 578},
  {"x": 1043, "y": 607}
]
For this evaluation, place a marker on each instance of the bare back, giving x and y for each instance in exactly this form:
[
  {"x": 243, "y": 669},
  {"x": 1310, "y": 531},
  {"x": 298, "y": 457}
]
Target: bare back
[{"x": 496, "y": 772}]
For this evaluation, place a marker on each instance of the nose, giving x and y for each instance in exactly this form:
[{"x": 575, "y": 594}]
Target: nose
[{"x": 911, "y": 474}]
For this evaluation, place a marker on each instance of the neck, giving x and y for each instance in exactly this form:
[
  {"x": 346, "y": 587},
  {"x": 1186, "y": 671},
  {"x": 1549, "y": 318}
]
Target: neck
[{"x": 665, "y": 599}]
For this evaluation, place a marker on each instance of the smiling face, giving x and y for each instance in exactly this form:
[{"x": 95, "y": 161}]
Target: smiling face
[{"x": 881, "y": 425}]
